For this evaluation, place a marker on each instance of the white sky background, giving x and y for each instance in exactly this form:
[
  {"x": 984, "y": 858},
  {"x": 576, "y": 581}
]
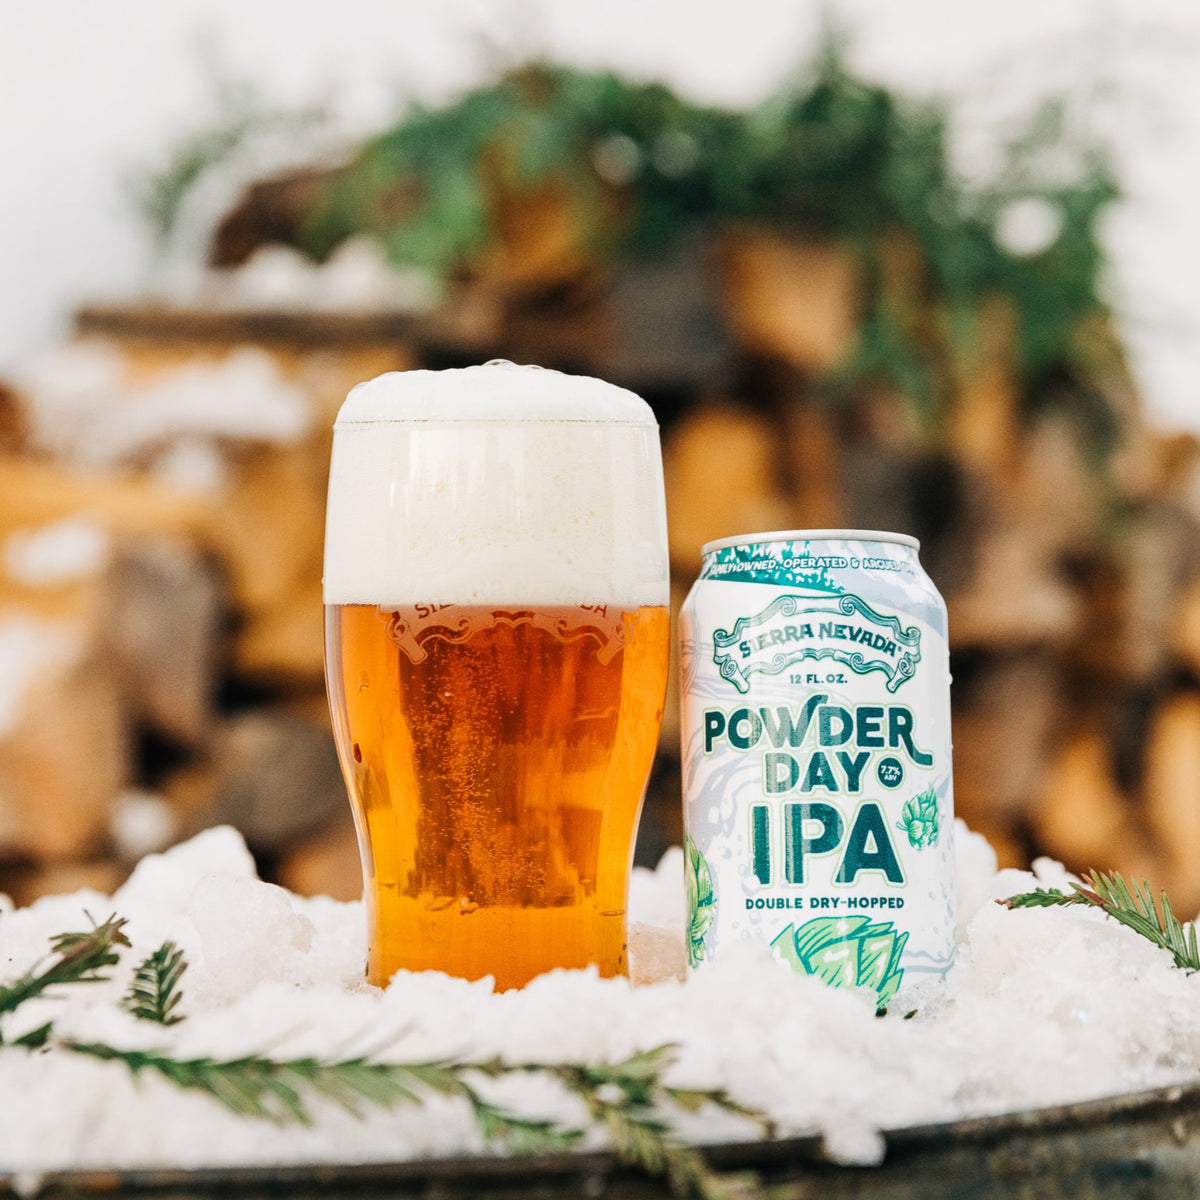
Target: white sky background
[{"x": 91, "y": 91}]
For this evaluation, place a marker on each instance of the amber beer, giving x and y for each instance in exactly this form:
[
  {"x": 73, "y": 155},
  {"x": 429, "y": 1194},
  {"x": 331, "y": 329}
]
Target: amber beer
[{"x": 496, "y": 653}]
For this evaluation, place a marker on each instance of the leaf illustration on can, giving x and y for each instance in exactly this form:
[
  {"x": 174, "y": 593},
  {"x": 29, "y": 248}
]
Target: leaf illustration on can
[
  {"x": 846, "y": 952},
  {"x": 702, "y": 906}
]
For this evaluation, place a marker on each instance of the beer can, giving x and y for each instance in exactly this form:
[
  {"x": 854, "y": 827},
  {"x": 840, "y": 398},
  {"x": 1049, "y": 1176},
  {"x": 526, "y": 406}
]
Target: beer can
[{"x": 816, "y": 757}]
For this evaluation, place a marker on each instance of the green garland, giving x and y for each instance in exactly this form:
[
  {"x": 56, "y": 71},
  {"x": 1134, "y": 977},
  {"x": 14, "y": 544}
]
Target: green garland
[{"x": 829, "y": 156}]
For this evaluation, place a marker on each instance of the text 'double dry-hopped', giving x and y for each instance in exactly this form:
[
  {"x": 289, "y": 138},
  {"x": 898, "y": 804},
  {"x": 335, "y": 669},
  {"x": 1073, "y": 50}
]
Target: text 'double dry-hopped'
[{"x": 817, "y": 782}]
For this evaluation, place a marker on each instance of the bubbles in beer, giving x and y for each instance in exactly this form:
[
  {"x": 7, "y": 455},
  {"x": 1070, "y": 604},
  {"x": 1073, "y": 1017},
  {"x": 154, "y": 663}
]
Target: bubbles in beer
[{"x": 495, "y": 484}]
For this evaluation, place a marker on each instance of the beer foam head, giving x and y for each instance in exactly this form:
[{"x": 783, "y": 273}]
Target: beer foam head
[
  {"x": 494, "y": 391},
  {"x": 495, "y": 484}
]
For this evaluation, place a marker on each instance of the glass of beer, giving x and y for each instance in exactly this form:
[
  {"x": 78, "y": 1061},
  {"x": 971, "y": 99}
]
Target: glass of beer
[{"x": 496, "y": 650}]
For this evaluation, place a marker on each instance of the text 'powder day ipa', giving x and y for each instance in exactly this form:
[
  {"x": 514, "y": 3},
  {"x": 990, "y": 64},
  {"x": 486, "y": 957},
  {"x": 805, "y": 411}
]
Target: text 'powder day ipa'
[
  {"x": 497, "y": 642},
  {"x": 816, "y": 757}
]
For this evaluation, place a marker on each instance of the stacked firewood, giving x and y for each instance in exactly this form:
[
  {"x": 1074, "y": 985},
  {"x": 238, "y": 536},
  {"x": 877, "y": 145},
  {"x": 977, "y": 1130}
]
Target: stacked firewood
[
  {"x": 1071, "y": 568},
  {"x": 185, "y": 667},
  {"x": 160, "y": 609}
]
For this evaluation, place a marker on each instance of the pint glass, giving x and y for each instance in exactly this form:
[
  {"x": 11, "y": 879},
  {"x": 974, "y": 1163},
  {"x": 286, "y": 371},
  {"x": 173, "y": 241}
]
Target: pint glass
[{"x": 496, "y": 649}]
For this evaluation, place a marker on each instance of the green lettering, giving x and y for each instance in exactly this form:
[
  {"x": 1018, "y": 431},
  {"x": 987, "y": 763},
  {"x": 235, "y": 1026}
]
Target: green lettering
[
  {"x": 760, "y": 842},
  {"x": 774, "y": 781},
  {"x": 900, "y": 729},
  {"x": 853, "y": 768},
  {"x": 869, "y": 825},
  {"x": 820, "y": 774},
  {"x": 748, "y": 718},
  {"x": 782, "y": 726},
  {"x": 870, "y": 725},
  {"x": 714, "y": 726},
  {"x": 827, "y": 736},
  {"x": 796, "y": 847}
]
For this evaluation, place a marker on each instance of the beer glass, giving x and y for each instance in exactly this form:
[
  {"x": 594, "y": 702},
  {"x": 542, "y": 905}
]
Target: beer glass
[{"x": 496, "y": 649}]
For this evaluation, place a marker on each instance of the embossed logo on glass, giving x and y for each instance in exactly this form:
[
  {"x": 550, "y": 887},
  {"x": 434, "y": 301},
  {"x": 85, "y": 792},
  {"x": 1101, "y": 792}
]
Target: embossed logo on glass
[{"x": 412, "y": 627}]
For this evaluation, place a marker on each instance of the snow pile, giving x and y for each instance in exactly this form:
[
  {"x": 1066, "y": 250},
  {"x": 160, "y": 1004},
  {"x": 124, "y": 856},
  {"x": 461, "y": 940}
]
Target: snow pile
[
  {"x": 83, "y": 408},
  {"x": 1044, "y": 1006}
]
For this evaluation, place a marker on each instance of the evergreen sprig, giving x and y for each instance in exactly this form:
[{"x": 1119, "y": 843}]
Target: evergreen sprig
[
  {"x": 1129, "y": 902},
  {"x": 628, "y": 1099},
  {"x": 154, "y": 994},
  {"x": 282, "y": 1089},
  {"x": 77, "y": 958}
]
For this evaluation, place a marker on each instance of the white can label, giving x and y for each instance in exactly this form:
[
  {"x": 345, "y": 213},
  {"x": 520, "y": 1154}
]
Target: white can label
[{"x": 816, "y": 757}]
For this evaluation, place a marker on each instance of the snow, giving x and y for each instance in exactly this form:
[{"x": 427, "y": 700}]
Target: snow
[
  {"x": 142, "y": 823},
  {"x": 1028, "y": 226},
  {"x": 30, "y": 649},
  {"x": 191, "y": 466},
  {"x": 61, "y": 552},
  {"x": 357, "y": 277},
  {"x": 1043, "y": 1006},
  {"x": 83, "y": 408}
]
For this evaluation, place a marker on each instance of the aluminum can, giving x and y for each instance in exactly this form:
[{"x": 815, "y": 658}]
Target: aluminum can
[{"x": 818, "y": 801}]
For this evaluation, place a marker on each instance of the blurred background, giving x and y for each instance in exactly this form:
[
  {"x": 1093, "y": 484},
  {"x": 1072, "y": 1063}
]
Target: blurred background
[{"x": 921, "y": 267}]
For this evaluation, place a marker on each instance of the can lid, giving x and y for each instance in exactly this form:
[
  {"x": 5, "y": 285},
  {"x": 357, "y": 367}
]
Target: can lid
[{"x": 813, "y": 535}]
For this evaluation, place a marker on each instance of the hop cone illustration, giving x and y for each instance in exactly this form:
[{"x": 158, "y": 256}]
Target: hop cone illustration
[
  {"x": 919, "y": 819},
  {"x": 701, "y": 902},
  {"x": 846, "y": 952}
]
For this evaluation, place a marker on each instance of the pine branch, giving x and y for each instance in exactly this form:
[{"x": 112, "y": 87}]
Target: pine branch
[
  {"x": 638, "y": 1135},
  {"x": 154, "y": 993},
  {"x": 1132, "y": 904},
  {"x": 258, "y": 1086},
  {"x": 694, "y": 1099},
  {"x": 81, "y": 958},
  {"x": 520, "y": 1134},
  {"x": 1045, "y": 898},
  {"x": 629, "y": 1098},
  {"x": 1134, "y": 907},
  {"x": 280, "y": 1089}
]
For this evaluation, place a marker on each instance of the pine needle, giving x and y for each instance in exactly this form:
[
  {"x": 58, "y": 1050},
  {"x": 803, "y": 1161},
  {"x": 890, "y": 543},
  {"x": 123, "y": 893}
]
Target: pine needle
[
  {"x": 79, "y": 958},
  {"x": 154, "y": 993},
  {"x": 629, "y": 1099},
  {"x": 35, "y": 1039},
  {"x": 258, "y": 1086},
  {"x": 281, "y": 1090},
  {"x": 1130, "y": 903},
  {"x": 1045, "y": 898},
  {"x": 520, "y": 1134}
]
